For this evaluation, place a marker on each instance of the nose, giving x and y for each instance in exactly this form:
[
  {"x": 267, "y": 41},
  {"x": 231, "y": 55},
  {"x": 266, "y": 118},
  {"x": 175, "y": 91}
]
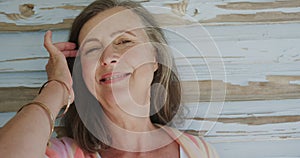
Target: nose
[
  {"x": 109, "y": 57},
  {"x": 108, "y": 61}
]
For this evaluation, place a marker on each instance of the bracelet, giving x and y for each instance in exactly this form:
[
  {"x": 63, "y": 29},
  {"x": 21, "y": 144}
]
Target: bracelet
[
  {"x": 69, "y": 97},
  {"x": 50, "y": 116}
]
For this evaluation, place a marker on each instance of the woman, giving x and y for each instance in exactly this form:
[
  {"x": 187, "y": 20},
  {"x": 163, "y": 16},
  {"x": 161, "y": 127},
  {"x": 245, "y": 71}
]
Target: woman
[{"x": 126, "y": 90}]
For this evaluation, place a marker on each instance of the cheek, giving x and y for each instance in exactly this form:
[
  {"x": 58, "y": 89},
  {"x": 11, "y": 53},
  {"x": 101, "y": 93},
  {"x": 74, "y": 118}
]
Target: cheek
[
  {"x": 88, "y": 74},
  {"x": 139, "y": 56}
]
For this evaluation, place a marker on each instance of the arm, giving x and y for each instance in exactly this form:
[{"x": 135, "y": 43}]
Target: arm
[{"x": 27, "y": 133}]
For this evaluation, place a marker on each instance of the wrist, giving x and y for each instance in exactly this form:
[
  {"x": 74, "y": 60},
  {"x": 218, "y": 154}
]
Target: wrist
[
  {"x": 53, "y": 95},
  {"x": 40, "y": 106}
]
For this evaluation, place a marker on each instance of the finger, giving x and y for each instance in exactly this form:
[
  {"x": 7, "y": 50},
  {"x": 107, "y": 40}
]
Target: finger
[
  {"x": 62, "y": 46},
  {"x": 52, "y": 50},
  {"x": 70, "y": 53}
]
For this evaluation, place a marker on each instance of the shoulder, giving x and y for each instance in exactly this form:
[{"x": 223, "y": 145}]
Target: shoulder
[
  {"x": 193, "y": 145},
  {"x": 64, "y": 147},
  {"x": 200, "y": 143}
]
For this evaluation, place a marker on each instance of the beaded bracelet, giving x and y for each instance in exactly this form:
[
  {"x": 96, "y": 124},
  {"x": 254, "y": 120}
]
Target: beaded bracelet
[
  {"x": 50, "y": 115},
  {"x": 69, "y": 97}
]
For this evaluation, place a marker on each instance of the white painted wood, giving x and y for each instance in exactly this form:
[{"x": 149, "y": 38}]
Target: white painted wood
[{"x": 252, "y": 52}]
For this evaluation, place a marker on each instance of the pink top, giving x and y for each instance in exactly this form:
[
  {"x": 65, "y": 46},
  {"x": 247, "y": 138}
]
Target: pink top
[{"x": 190, "y": 146}]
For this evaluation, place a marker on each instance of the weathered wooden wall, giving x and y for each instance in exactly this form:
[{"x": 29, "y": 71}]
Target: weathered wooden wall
[{"x": 259, "y": 49}]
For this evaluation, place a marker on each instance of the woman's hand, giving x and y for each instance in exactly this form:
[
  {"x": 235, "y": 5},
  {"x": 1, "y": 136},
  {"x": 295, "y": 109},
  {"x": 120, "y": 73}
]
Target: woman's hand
[
  {"x": 23, "y": 127},
  {"x": 57, "y": 67}
]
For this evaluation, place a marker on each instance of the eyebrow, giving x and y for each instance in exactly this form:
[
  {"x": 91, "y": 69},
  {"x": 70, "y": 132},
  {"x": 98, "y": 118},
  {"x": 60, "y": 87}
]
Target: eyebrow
[
  {"x": 87, "y": 41},
  {"x": 120, "y": 32},
  {"x": 90, "y": 40},
  {"x": 111, "y": 35}
]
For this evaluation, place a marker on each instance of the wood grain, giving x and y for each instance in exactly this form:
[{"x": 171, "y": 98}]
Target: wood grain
[{"x": 193, "y": 91}]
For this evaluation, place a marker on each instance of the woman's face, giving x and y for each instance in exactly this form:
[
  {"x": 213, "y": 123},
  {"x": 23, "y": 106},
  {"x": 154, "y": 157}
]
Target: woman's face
[{"x": 118, "y": 62}]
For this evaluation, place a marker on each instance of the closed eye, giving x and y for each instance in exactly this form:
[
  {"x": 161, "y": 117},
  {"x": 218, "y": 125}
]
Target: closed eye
[
  {"x": 93, "y": 50},
  {"x": 123, "y": 42}
]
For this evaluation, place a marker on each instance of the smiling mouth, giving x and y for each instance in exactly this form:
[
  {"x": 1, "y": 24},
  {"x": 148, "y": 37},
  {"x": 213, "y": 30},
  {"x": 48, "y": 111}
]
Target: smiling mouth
[{"x": 115, "y": 77}]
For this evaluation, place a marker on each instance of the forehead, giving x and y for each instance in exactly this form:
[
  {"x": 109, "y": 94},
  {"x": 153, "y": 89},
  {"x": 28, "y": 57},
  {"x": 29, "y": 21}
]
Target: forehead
[{"x": 110, "y": 21}]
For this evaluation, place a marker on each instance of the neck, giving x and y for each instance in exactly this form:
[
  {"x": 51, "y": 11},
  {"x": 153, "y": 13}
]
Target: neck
[
  {"x": 129, "y": 122},
  {"x": 130, "y": 115},
  {"x": 134, "y": 134}
]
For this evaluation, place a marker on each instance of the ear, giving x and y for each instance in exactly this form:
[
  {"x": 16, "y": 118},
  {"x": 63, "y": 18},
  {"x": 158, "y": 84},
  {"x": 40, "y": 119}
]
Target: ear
[{"x": 155, "y": 66}]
